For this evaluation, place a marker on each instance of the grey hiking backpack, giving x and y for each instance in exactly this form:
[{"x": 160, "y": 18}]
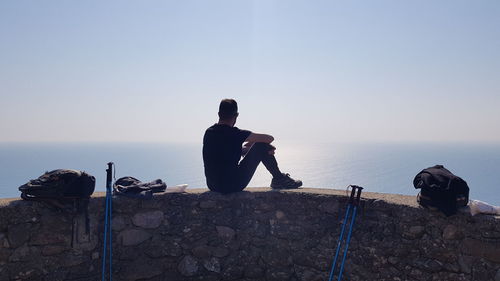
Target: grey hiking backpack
[
  {"x": 59, "y": 185},
  {"x": 67, "y": 191}
]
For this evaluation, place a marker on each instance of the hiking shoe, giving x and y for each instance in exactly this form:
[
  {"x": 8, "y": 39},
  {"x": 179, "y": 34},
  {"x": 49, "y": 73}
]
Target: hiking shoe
[{"x": 285, "y": 182}]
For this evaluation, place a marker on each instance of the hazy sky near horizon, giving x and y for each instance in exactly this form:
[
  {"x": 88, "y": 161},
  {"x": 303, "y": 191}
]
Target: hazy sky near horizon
[{"x": 155, "y": 71}]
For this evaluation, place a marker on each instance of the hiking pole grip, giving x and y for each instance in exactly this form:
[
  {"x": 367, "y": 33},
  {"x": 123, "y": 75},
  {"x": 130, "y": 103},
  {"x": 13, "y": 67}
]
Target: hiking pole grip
[
  {"x": 109, "y": 175},
  {"x": 358, "y": 196},
  {"x": 353, "y": 193}
]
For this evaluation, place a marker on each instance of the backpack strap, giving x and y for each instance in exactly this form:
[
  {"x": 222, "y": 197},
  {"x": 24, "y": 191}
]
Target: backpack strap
[
  {"x": 80, "y": 206},
  {"x": 426, "y": 202},
  {"x": 84, "y": 205}
]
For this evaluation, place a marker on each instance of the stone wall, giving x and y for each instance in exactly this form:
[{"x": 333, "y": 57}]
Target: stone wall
[{"x": 256, "y": 235}]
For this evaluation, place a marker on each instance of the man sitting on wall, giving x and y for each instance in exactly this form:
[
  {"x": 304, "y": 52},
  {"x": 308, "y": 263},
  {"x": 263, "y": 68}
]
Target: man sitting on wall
[{"x": 223, "y": 148}]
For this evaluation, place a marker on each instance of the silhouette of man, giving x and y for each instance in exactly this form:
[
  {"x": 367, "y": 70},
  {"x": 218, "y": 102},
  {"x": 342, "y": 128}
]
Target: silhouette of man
[{"x": 224, "y": 145}]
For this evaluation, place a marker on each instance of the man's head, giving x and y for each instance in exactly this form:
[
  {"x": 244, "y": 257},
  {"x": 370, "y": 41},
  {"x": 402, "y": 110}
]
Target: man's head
[{"x": 228, "y": 110}]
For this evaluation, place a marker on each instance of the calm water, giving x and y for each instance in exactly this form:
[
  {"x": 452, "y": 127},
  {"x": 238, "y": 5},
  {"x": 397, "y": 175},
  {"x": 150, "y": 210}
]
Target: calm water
[{"x": 388, "y": 168}]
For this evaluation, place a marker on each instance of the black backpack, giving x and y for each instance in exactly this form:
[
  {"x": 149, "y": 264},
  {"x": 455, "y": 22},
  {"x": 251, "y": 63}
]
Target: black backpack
[
  {"x": 60, "y": 185},
  {"x": 66, "y": 190},
  {"x": 441, "y": 189}
]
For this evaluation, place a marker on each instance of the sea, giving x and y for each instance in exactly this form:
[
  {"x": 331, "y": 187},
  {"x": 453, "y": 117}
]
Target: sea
[{"x": 378, "y": 167}]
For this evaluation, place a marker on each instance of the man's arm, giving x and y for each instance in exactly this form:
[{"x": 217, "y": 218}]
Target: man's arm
[{"x": 253, "y": 137}]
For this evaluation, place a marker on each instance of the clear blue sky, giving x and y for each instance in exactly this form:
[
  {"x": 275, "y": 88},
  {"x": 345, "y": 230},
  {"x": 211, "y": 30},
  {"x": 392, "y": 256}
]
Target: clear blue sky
[{"x": 155, "y": 71}]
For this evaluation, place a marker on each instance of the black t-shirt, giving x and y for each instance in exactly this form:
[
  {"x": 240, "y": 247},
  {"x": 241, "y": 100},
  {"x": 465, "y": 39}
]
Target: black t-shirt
[{"x": 222, "y": 147}]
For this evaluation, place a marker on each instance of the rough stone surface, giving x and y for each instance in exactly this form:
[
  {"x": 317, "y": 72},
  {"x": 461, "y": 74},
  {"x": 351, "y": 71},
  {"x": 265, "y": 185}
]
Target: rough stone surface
[
  {"x": 148, "y": 219},
  {"x": 118, "y": 223},
  {"x": 250, "y": 236},
  {"x": 329, "y": 207},
  {"x": 450, "y": 232},
  {"x": 20, "y": 254},
  {"x": 482, "y": 249},
  {"x": 141, "y": 270},
  {"x": 225, "y": 232},
  {"x": 131, "y": 237},
  {"x": 47, "y": 238},
  {"x": 2, "y": 239},
  {"x": 18, "y": 234},
  {"x": 51, "y": 250},
  {"x": 491, "y": 234},
  {"x": 220, "y": 252},
  {"x": 212, "y": 265},
  {"x": 188, "y": 266},
  {"x": 201, "y": 251},
  {"x": 280, "y": 214},
  {"x": 415, "y": 232},
  {"x": 74, "y": 259},
  {"x": 208, "y": 204}
]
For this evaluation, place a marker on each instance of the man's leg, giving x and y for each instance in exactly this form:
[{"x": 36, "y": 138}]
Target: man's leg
[{"x": 258, "y": 153}]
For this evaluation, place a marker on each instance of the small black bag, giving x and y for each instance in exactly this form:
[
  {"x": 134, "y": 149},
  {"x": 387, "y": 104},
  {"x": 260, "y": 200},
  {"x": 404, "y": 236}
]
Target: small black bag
[
  {"x": 441, "y": 189},
  {"x": 132, "y": 187}
]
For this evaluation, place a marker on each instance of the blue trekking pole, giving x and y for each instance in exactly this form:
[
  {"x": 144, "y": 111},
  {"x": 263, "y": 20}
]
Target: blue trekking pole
[
  {"x": 339, "y": 243},
  {"x": 352, "y": 202},
  {"x": 356, "y": 204},
  {"x": 107, "y": 225}
]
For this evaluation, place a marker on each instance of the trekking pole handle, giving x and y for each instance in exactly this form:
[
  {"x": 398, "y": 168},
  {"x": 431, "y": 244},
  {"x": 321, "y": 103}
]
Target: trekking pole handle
[
  {"x": 358, "y": 196},
  {"x": 109, "y": 175},
  {"x": 353, "y": 192}
]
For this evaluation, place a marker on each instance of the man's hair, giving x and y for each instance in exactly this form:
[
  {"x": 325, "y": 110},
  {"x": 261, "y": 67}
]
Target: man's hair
[{"x": 228, "y": 108}]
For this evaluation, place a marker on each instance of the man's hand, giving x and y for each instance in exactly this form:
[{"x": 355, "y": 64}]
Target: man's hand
[
  {"x": 272, "y": 150},
  {"x": 248, "y": 145},
  {"x": 246, "y": 148}
]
